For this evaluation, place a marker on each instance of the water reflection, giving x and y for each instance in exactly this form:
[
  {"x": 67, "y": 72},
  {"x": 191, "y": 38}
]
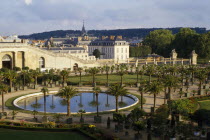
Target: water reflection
[{"x": 86, "y": 101}]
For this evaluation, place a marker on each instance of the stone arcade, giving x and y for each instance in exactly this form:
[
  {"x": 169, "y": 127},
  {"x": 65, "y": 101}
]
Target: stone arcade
[{"x": 21, "y": 55}]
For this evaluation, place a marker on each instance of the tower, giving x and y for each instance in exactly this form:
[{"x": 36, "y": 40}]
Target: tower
[{"x": 83, "y": 33}]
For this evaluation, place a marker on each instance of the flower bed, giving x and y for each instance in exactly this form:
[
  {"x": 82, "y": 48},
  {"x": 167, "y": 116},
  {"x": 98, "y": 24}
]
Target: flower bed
[{"x": 85, "y": 129}]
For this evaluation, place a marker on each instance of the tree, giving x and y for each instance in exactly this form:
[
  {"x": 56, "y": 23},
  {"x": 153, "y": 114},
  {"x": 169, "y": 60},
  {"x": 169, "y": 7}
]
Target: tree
[
  {"x": 107, "y": 69},
  {"x": 139, "y": 126},
  {"x": 45, "y": 91},
  {"x": 140, "y": 51},
  {"x": 35, "y": 74},
  {"x": 10, "y": 75},
  {"x": 186, "y": 40},
  {"x": 96, "y": 53},
  {"x": 142, "y": 90},
  {"x": 97, "y": 90},
  {"x": 3, "y": 89},
  {"x": 150, "y": 70},
  {"x": 64, "y": 74},
  {"x": 93, "y": 72},
  {"x": 155, "y": 88},
  {"x": 67, "y": 93},
  {"x": 170, "y": 82},
  {"x": 80, "y": 74},
  {"x": 201, "y": 76},
  {"x": 159, "y": 41},
  {"x": 121, "y": 73},
  {"x": 117, "y": 90}
]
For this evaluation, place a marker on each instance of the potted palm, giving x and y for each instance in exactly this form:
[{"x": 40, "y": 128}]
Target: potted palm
[
  {"x": 97, "y": 118},
  {"x": 138, "y": 126},
  {"x": 57, "y": 117},
  {"x": 14, "y": 113},
  {"x": 67, "y": 93},
  {"x": 35, "y": 113},
  {"x": 45, "y": 91},
  {"x": 81, "y": 112}
]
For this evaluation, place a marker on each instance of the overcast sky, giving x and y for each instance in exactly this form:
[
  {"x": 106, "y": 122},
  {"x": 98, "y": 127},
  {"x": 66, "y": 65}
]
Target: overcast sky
[{"x": 32, "y": 16}]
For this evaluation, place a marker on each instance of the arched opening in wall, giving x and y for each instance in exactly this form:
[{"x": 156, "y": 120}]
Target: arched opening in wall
[
  {"x": 7, "y": 61},
  {"x": 75, "y": 67},
  {"x": 41, "y": 62}
]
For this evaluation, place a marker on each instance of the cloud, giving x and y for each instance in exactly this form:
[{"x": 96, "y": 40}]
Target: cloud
[
  {"x": 29, "y": 16},
  {"x": 28, "y": 2}
]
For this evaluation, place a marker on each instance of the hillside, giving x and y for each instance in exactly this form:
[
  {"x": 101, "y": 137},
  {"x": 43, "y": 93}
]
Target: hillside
[{"x": 127, "y": 33}]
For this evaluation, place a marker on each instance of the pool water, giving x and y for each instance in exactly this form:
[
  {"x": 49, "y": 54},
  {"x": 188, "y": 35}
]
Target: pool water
[{"x": 86, "y": 101}]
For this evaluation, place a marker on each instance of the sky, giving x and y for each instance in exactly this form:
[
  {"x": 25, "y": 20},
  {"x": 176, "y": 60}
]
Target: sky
[{"x": 24, "y": 17}]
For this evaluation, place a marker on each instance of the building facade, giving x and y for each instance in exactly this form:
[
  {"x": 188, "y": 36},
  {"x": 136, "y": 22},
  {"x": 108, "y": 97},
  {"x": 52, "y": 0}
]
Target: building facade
[
  {"x": 111, "y": 48},
  {"x": 22, "y": 55}
]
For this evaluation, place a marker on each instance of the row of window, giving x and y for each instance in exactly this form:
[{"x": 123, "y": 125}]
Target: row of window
[
  {"x": 107, "y": 44},
  {"x": 122, "y": 50}
]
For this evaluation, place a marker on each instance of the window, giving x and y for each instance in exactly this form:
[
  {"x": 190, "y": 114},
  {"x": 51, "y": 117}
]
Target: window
[
  {"x": 122, "y": 50},
  {"x": 41, "y": 62}
]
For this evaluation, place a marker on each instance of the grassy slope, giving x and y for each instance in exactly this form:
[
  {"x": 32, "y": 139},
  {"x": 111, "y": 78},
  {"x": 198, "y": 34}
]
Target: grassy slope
[
  {"x": 8, "y": 134},
  {"x": 102, "y": 78},
  {"x": 204, "y": 104}
]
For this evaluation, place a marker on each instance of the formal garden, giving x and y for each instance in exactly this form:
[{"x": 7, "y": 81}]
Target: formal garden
[{"x": 124, "y": 102}]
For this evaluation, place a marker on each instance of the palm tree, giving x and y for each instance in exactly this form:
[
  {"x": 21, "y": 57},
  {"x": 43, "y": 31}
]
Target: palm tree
[
  {"x": 107, "y": 69},
  {"x": 3, "y": 89},
  {"x": 24, "y": 73},
  {"x": 137, "y": 75},
  {"x": 117, "y": 90},
  {"x": 112, "y": 68},
  {"x": 122, "y": 72},
  {"x": 142, "y": 90},
  {"x": 192, "y": 69},
  {"x": 150, "y": 70},
  {"x": 10, "y": 75},
  {"x": 35, "y": 74},
  {"x": 154, "y": 88},
  {"x": 170, "y": 81},
  {"x": 201, "y": 76},
  {"x": 80, "y": 74},
  {"x": 45, "y": 91},
  {"x": 67, "y": 93},
  {"x": 93, "y": 72},
  {"x": 97, "y": 90},
  {"x": 64, "y": 74}
]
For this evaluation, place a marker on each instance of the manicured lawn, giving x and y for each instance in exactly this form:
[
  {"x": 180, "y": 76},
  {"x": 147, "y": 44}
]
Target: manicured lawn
[
  {"x": 7, "y": 134},
  {"x": 204, "y": 104},
  {"x": 102, "y": 78}
]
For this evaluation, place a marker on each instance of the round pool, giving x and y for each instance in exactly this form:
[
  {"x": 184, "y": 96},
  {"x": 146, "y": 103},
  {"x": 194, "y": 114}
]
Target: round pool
[{"x": 86, "y": 101}]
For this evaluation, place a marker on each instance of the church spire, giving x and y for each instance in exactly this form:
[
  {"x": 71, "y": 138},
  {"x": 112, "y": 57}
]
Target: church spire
[{"x": 83, "y": 28}]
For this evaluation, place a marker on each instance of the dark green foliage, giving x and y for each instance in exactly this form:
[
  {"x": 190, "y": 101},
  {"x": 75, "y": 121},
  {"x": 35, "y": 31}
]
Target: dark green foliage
[
  {"x": 140, "y": 51},
  {"x": 159, "y": 41},
  {"x": 127, "y": 33},
  {"x": 184, "y": 42},
  {"x": 96, "y": 53},
  {"x": 162, "y": 111}
]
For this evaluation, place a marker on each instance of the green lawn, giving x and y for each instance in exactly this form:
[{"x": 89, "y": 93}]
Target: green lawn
[
  {"x": 102, "y": 78},
  {"x": 204, "y": 104},
  {"x": 7, "y": 134}
]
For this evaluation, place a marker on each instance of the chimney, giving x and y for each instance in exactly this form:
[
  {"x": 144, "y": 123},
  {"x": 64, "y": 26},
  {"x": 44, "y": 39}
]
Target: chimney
[
  {"x": 119, "y": 37},
  {"x": 103, "y": 37},
  {"x": 111, "y": 37}
]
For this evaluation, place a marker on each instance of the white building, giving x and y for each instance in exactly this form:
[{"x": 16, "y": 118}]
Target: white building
[{"x": 111, "y": 48}]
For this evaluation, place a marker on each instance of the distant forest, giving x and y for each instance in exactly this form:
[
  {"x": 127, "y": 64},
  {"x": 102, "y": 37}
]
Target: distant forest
[{"x": 126, "y": 33}]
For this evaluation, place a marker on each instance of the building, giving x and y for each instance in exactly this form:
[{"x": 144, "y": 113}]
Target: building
[
  {"x": 111, "y": 48},
  {"x": 22, "y": 55}
]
